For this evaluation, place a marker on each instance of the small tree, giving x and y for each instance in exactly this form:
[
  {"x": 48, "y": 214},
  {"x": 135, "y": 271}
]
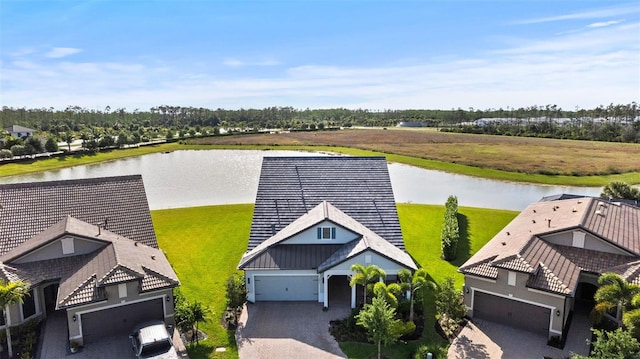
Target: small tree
[
  {"x": 68, "y": 138},
  {"x": 366, "y": 275},
  {"x": 617, "y": 344},
  {"x": 51, "y": 145},
  {"x": 199, "y": 314},
  {"x": 11, "y": 293},
  {"x": 615, "y": 292},
  {"x": 450, "y": 231},
  {"x": 449, "y": 306},
  {"x": 389, "y": 292},
  {"x": 378, "y": 319},
  {"x": 236, "y": 292}
]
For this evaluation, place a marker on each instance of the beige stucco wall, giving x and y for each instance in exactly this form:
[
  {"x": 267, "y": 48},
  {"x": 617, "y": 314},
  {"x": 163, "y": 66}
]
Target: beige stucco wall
[
  {"x": 54, "y": 249},
  {"x": 590, "y": 242},
  {"x": 518, "y": 292},
  {"x": 113, "y": 299}
]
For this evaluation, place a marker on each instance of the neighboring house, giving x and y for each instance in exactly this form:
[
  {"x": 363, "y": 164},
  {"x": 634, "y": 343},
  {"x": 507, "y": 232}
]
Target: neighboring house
[
  {"x": 531, "y": 274},
  {"x": 88, "y": 249},
  {"x": 314, "y": 218},
  {"x": 20, "y": 131}
]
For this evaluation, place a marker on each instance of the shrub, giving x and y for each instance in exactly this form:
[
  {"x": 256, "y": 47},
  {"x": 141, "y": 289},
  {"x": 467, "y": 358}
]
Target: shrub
[
  {"x": 236, "y": 292},
  {"x": 4, "y": 153},
  {"x": 450, "y": 230}
]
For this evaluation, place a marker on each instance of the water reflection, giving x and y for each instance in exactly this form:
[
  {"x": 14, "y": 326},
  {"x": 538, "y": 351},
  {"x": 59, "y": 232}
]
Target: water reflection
[{"x": 197, "y": 178}]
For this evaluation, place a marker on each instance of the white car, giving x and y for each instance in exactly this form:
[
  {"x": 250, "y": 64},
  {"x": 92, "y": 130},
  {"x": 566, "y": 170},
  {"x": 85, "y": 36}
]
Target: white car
[{"x": 152, "y": 340}]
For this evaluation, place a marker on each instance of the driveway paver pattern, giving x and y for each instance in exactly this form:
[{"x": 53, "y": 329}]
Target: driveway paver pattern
[
  {"x": 288, "y": 330},
  {"x": 482, "y": 339}
]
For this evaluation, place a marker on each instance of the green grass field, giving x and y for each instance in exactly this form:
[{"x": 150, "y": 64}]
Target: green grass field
[{"x": 204, "y": 245}]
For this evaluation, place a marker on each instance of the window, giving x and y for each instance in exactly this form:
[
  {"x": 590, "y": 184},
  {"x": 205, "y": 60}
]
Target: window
[
  {"x": 67, "y": 246},
  {"x": 326, "y": 232},
  {"x": 512, "y": 278},
  {"x": 122, "y": 290},
  {"x": 578, "y": 239},
  {"x": 29, "y": 305},
  {"x": 367, "y": 258}
]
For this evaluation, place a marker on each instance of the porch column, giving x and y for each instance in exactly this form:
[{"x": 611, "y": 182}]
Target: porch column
[
  {"x": 325, "y": 282},
  {"x": 353, "y": 296}
]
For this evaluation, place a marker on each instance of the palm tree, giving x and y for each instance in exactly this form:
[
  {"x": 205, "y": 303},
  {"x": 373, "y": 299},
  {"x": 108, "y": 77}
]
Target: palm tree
[
  {"x": 620, "y": 190},
  {"x": 388, "y": 292},
  {"x": 615, "y": 292},
  {"x": 199, "y": 314},
  {"x": 365, "y": 275},
  {"x": 412, "y": 283},
  {"x": 11, "y": 293}
]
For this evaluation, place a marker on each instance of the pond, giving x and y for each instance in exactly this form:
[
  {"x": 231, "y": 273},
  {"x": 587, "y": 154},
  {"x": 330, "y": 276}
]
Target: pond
[{"x": 196, "y": 178}]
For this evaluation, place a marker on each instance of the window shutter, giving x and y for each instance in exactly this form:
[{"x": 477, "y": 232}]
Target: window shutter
[
  {"x": 319, "y": 233},
  {"x": 333, "y": 232}
]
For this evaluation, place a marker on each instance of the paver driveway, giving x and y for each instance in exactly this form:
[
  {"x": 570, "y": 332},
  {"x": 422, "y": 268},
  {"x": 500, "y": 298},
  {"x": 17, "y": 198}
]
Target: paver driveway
[{"x": 288, "y": 330}]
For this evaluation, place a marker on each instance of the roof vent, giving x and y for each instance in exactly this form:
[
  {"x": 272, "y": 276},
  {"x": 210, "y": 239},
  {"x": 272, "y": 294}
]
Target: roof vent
[
  {"x": 135, "y": 244},
  {"x": 579, "y": 201},
  {"x": 574, "y": 210},
  {"x": 533, "y": 220},
  {"x": 508, "y": 234},
  {"x": 153, "y": 257},
  {"x": 534, "y": 211},
  {"x": 548, "y": 222},
  {"x": 601, "y": 204},
  {"x": 504, "y": 243},
  {"x": 599, "y": 212}
]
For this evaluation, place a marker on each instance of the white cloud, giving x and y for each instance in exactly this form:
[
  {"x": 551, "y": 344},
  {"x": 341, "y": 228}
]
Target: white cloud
[
  {"x": 59, "y": 52},
  {"x": 233, "y": 62},
  {"x": 604, "y": 23},
  {"x": 587, "y": 14}
]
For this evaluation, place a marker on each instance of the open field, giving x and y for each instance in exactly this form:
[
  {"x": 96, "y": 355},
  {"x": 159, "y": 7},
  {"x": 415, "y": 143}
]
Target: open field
[
  {"x": 204, "y": 245},
  {"x": 527, "y": 157}
]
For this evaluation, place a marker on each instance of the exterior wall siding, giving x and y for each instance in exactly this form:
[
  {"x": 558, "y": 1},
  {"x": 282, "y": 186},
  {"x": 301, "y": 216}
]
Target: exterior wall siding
[
  {"x": 310, "y": 236},
  {"x": 590, "y": 242},
  {"x": 389, "y": 266}
]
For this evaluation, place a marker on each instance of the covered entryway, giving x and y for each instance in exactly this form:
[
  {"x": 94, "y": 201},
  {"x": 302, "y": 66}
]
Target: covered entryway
[
  {"x": 289, "y": 288},
  {"x": 511, "y": 312},
  {"x": 339, "y": 290},
  {"x": 119, "y": 320}
]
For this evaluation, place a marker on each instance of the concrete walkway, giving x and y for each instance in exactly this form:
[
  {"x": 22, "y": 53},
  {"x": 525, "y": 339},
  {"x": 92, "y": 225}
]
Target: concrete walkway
[
  {"x": 54, "y": 343},
  {"x": 288, "y": 330},
  {"x": 484, "y": 339}
]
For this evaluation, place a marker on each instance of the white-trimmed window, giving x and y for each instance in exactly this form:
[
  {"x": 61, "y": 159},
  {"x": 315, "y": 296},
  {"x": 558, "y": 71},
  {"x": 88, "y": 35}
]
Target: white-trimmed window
[
  {"x": 122, "y": 290},
  {"x": 367, "y": 258},
  {"x": 67, "y": 246},
  {"x": 512, "y": 278},
  {"x": 326, "y": 232}
]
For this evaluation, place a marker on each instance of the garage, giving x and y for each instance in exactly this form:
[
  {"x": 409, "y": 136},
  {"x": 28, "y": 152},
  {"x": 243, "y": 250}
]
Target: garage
[
  {"x": 290, "y": 288},
  {"x": 511, "y": 312},
  {"x": 119, "y": 320}
]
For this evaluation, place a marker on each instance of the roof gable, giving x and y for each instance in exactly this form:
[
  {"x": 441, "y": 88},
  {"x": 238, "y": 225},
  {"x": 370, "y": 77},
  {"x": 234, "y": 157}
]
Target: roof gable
[{"x": 289, "y": 187}]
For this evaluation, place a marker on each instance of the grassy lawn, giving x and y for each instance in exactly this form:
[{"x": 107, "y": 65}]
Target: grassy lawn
[{"x": 204, "y": 245}]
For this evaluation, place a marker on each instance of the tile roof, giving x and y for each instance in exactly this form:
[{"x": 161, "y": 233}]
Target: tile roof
[
  {"x": 324, "y": 211},
  {"x": 521, "y": 245},
  {"x": 83, "y": 277},
  {"x": 291, "y": 186},
  {"x": 119, "y": 203}
]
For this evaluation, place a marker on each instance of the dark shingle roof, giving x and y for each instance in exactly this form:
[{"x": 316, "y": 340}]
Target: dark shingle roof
[
  {"x": 27, "y": 209},
  {"x": 358, "y": 186}
]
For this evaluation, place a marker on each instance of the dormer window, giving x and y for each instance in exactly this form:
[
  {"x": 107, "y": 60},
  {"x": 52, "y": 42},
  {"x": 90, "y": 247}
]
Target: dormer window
[{"x": 326, "y": 232}]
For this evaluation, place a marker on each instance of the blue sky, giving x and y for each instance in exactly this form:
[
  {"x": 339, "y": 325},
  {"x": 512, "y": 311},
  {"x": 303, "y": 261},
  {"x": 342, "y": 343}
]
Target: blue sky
[{"x": 319, "y": 54}]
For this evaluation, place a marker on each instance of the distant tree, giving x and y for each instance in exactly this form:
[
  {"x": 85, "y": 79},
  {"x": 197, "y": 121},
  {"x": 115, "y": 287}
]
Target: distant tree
[
  {"x": 413, "y": 283},
  {"x": 4, "y": 153},
  {"x": 365, "y": 275},
  {"x": 617, "y": 344},
  {"x": 620, "y": 190},
  {"x": 68, "y": 138},
  {"x": 12, "y": 292},
  {"x": 378, "y": 319},
  {"x": 18, "y": 150},
  {"x": 35, "y": 145},
  {"x": 51, "y": 145}
]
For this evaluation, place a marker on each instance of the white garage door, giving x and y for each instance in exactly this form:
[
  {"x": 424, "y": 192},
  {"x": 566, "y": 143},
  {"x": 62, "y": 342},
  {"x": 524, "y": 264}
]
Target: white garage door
[{"x": 273, "y": 288}]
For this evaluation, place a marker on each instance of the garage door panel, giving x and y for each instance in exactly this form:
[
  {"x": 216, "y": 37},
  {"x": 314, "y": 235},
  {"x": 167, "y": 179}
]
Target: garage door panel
[
  {"x": 286, "y": 288},
  {"x": 120, "y": 320},
  {"x": 511, "y": 312}
]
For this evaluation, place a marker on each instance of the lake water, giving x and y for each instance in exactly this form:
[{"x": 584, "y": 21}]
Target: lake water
[{"x": 197, "y": 178}]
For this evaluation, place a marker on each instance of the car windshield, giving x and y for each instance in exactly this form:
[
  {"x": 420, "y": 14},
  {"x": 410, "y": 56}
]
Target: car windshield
[{"x": 155, "y": 348}]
